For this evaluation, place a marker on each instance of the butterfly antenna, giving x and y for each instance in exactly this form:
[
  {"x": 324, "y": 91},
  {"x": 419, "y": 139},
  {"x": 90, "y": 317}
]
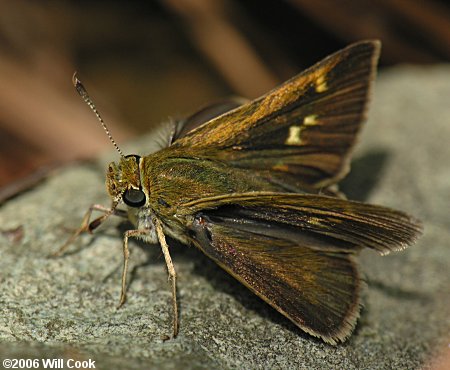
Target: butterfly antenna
[{"x": 87, "y": 99}]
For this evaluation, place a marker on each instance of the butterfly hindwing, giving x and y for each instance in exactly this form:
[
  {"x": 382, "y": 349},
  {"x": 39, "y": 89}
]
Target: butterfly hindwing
[
  {"x": 317, "y": 290},
  {"x": 296, "y": 251},
  {"x": 348, "y": 224}
]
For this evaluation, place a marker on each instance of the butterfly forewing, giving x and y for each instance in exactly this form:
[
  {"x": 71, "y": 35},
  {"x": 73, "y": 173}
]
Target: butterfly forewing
[
  {"x": 183, "y": 127},
  {"x": 301, "y": 132}
]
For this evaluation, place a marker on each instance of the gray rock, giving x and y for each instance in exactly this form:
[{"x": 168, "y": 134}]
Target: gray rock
[{"x": 66, "y": 307}]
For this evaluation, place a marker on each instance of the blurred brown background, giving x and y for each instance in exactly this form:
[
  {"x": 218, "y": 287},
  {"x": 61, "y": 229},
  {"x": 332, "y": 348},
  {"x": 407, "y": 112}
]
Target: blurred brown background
[{"x": 143, "y": 62}]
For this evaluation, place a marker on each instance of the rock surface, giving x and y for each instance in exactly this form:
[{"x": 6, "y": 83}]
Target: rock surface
[{"x": 66, "y": 307}]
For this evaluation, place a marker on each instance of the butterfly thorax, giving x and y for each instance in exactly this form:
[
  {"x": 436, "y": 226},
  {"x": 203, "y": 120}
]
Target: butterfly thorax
[{"x": 174, "y": 178}]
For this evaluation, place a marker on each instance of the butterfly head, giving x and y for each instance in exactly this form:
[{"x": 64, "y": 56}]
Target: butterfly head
[{"x": 123, "y": 181}]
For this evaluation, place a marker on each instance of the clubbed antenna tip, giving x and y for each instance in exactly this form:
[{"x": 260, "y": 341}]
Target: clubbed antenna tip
[{"x": 85, "y": 96}]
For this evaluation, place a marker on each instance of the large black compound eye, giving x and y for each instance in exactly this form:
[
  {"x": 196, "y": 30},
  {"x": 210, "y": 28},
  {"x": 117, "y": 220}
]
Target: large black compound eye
[{"x": 134, "y": 198}]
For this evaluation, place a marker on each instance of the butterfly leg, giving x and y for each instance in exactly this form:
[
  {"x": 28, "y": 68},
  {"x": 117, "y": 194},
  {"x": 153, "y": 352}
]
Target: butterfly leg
[
  {"x": 172, "y": 273},
  {"x": 170, "y": 267},
  {"x": 89, "y": 226},
  {"x": 126, "y": 256}
]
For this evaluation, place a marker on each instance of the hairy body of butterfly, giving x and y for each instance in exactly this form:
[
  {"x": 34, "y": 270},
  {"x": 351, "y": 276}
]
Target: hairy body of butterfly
[{"x": 255, "y": 189}]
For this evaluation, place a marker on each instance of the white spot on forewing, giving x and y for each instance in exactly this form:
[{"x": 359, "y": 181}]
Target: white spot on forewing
[
  {"x": 321, "y": 84},
  {"x": 310, "y": 120},
  {"x": 294, "y": 136}
]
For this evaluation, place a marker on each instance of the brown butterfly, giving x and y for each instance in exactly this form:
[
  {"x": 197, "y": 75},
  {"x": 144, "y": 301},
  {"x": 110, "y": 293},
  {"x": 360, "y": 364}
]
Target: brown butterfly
[{"x": 254, "y": 188}]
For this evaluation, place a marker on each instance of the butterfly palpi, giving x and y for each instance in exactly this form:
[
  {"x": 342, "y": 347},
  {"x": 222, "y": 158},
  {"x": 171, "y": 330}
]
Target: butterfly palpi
[{"x": 254, "y": 188}]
